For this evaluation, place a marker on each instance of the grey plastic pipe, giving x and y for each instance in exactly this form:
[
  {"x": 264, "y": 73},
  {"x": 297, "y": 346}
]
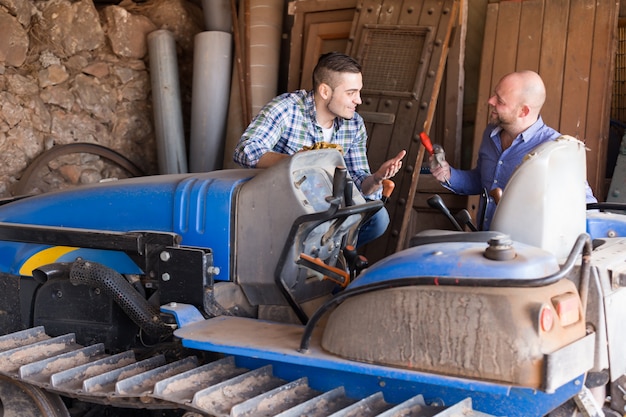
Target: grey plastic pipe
[
  {"x": 168, "y": 118},
  {"x": 217, "y": 15},
  {"x": 209, "y": 100}
]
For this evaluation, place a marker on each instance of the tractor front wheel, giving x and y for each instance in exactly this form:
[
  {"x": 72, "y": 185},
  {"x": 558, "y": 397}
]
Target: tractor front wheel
[{"x": 18, "y": 399}]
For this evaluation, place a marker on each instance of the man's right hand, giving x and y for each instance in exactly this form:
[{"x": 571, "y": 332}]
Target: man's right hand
[{"x": 441, "y": 172}]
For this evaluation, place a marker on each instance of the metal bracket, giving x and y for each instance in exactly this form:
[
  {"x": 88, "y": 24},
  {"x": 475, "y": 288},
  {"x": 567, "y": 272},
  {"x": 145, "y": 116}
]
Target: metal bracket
[{"x": 184, "y": 273}]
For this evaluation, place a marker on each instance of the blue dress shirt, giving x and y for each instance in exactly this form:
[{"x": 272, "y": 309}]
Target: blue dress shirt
[{"x": 494, "y": 166}]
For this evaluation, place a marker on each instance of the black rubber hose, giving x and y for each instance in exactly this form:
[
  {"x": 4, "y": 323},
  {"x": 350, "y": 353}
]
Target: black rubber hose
[
  {"x": 142, "y": 313},
  {"x": 583, "y": 243}
]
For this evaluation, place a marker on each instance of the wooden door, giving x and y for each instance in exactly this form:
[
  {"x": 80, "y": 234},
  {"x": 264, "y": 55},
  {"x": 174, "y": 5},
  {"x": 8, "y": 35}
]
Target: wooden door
[
  {"x": 319, "y": 26},
  {"x": 402, "y": 46}
]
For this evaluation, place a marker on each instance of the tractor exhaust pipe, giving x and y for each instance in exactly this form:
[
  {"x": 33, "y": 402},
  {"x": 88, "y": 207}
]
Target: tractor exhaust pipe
[{"x": 142, "y": 313}]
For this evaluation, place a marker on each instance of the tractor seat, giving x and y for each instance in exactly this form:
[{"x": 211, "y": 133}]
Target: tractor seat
[{"x": 543, "y": 203}]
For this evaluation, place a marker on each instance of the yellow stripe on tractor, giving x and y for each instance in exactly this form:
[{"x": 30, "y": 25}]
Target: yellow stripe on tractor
[{"x": 44, "y": 257}]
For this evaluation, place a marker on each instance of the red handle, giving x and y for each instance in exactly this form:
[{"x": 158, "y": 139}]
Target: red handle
[{"x": 426, "y": 142}]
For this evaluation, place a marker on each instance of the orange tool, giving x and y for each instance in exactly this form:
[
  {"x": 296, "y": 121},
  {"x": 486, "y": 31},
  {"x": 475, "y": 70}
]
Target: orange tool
[
  {"x": 427, "y": 143},
  {"x": 437, "y": 151}
]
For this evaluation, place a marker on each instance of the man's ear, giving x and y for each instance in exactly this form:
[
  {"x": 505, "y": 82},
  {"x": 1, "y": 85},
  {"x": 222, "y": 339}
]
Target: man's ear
[
  {"x": 324, "y": 90},
  {"x": 524, "y": 110}
]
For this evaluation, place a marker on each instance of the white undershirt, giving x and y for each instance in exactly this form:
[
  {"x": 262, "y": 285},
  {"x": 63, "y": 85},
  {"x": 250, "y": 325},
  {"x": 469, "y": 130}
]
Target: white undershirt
[{"x": 328, "y": 133}]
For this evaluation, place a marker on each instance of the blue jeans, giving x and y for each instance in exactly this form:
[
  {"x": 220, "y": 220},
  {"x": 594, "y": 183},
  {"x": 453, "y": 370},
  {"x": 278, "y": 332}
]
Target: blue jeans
[{"x": 374, "y": 227}]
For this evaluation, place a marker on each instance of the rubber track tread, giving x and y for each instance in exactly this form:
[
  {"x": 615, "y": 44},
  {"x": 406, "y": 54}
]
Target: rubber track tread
[{"x": 218, "y": 388}]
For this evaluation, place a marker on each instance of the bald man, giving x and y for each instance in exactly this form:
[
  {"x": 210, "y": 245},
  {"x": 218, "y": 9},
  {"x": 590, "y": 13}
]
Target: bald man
[{"x": 515, "y": 128}]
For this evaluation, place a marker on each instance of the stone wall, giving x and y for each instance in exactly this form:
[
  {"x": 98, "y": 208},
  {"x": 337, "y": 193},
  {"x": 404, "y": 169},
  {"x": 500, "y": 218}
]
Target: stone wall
[{"x": 77, "y": 72}]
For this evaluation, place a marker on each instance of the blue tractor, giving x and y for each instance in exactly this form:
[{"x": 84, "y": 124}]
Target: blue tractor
[{"x": 240, "y": 293}]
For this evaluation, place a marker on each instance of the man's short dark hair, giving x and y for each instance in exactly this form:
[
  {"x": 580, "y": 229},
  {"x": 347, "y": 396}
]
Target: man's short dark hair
[{"x": 329, "y": 65}]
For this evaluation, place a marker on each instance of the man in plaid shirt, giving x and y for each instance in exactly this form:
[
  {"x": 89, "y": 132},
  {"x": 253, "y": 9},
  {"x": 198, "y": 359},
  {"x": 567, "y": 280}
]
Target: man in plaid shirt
[{"x": 323, "y": 117}]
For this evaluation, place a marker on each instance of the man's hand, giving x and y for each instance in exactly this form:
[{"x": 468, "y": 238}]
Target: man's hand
[
  {"x": 442, "y": 171},
  {"x": 389, "y": 168}
]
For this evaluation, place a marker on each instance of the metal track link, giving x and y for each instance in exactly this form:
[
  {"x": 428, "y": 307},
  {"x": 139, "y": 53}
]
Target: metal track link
[{"x": 59, "y": 365}]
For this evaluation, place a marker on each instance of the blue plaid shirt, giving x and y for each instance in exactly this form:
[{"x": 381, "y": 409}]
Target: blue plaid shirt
[{"x": 288, "y": 123}]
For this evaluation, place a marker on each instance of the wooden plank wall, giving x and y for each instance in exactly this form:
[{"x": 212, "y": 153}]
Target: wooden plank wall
[{"x": 571, "y": 44}]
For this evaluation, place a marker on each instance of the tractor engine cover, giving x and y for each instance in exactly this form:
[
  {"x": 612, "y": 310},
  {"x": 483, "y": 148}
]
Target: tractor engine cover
[{"x": 496, "y": 333}]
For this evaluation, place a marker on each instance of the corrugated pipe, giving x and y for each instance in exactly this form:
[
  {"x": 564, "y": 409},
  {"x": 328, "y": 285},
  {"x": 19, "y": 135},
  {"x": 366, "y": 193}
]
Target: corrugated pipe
[
  {"x": 265, "y": 33},
  {"x": 140, "y": 311}
]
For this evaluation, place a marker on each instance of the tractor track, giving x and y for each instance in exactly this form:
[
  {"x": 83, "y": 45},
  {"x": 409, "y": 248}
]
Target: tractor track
[{"x": 59, "y": 365}]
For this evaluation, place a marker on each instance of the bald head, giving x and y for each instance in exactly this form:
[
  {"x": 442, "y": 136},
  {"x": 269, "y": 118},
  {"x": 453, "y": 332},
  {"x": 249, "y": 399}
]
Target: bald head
[
  {"x": 517, "y": 100},
  {"x": 528, "y": 89}
]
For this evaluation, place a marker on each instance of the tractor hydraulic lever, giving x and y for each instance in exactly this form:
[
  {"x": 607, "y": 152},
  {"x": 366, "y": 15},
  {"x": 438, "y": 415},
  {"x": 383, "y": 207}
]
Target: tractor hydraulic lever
[
  {"x": 437, "y": 203},
  {"x": 332, "y": 273}
]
